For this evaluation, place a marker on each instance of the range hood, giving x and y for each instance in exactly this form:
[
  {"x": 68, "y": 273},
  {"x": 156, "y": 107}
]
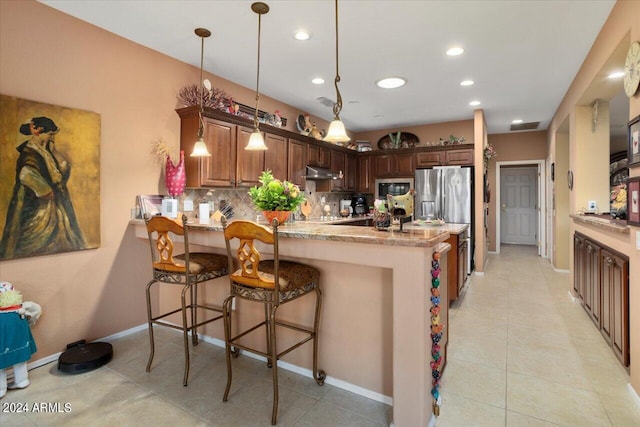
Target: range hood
[{"x": 317, "y": 173}]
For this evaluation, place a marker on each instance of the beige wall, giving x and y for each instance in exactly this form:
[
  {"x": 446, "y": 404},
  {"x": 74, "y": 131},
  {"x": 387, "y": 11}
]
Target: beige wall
[
  {"x": 426, "y": 133},
  {"x": 63, "y": 61},
  {"x": 521, "y": 146},
  {"x": 480, "y": 137},
  {"x": 622, "y": 27}
]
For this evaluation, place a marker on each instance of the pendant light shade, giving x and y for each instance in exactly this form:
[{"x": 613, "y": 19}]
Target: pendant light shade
[
  {"x": 200, "y": 148},
  {"x": 337, "y": 132},
  {"x": 256, "y": 140}
]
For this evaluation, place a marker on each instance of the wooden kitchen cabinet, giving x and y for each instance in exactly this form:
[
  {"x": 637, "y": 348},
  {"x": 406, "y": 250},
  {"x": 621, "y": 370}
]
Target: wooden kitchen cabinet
[
  {"x": 396, "y": 165},
  {"x": 601, "y": 282},
  {"x": 319, "y": 156},
  {"x": 366, "y": 180},
  {"x": 338, "y": 164},
  {"x": 449, "y": 157},
  {"x": 578, "y": 257},
  {"x": 275, "y": 158},
  {"x": 456, "y": 264},
  {"x": 383, "y": 165},
  {"x": 351, "y": 173},
  {"x": 297, "y": 164},
  {"x": 592, "y": 280},
  {"x": 249, "y": 164},
  {"x": 615, "y": 303}
]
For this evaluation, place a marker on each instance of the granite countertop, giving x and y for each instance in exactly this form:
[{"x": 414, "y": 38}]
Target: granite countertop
[
  {"x": 606, "y": 223},
  {"x": 411, "y": 236}
]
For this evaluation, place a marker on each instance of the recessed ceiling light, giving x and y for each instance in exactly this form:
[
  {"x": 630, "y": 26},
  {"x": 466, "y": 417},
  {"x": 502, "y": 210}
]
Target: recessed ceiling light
[
  {"x": 317, "y": 81},
  {"x": 466, "y": 83},
  {"x": 301, "y": 35},
  {"x": 474, "y": 103},
  {"x": 616, "y": 75},
  {"x": 455, "y": 51},
  {"x": 391, "y": 82},
  {"x": 516, "y": 121}
]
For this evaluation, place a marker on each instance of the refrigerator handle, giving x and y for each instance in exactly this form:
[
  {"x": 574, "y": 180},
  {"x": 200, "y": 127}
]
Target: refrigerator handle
[{"x": 443, "y": 196}]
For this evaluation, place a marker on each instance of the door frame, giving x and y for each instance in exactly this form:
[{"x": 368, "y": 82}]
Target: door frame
[{"x": 541, "y": 228}]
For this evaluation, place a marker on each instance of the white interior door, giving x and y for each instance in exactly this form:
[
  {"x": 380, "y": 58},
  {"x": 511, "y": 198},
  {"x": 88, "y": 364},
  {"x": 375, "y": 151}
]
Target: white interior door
[{"x": 518, "y": 205}]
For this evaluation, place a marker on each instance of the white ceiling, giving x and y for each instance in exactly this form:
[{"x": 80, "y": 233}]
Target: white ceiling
[{"x": 522, "y": 55}]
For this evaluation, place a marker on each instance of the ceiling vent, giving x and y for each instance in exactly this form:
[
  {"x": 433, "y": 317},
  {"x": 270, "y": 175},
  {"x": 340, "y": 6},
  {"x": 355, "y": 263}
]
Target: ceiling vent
[
  {"x": 525, "y": 126},
  {"x": 326, "y": 101}
]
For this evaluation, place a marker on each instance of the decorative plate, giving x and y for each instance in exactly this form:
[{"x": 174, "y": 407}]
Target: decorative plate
[{"x": 407, "y": 140}]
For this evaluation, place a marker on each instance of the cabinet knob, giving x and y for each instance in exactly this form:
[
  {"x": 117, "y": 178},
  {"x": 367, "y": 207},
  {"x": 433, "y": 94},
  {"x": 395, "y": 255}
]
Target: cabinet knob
[
  {"x": 239, "y": 181},
  {"x": 610, "y": 260},
  {"x": 233, "y": 181}
]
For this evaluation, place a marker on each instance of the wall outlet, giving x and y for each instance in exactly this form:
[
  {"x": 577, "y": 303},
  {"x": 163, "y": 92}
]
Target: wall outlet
[{"x": 592, "y": 205}]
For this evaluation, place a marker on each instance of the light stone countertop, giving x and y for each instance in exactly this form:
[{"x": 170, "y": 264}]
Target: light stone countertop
[
  {"x": 609, "y": 224},
  {"x": 415, "y": 236}
]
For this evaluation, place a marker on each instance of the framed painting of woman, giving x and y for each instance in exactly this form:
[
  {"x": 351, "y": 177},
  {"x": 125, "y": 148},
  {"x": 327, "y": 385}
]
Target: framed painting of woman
[{"x": 49, "y": 179}]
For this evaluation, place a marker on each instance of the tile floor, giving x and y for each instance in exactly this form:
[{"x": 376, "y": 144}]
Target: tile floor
[{"x": 521, "y": 353}]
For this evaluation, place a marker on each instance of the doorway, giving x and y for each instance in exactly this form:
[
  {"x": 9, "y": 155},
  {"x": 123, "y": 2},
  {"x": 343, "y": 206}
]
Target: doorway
[{"x": 520, "y": 204}]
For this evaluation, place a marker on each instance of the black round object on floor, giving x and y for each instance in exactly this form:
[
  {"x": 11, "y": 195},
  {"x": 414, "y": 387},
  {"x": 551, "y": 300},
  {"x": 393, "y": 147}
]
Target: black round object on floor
[{"x": 82, "y": 357}]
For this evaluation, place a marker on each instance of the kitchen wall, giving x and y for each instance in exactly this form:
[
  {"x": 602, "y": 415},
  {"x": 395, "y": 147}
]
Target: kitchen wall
[{"x": 50, "y": 57}]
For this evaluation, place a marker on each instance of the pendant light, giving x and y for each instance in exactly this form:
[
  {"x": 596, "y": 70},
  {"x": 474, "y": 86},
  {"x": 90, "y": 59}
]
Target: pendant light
[
  {"x": 256, "y": 140},
  {"x": 200, "y": 148},
  {"x": 337, "y": 132}
]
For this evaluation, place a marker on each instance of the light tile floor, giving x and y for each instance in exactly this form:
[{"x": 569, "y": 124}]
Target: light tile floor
[{"x": 521, "y": 353}]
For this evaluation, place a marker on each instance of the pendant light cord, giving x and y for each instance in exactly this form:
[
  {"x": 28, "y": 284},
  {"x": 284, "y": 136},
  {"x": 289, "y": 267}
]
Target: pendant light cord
[
  {"x": 255, "y": 117},
  {"x": 337, "y": 107},
  {"x": 201, "y": 127}
]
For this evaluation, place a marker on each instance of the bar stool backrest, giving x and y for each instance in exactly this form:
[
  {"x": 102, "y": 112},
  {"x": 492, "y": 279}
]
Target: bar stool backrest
[
  {"x": 160, "y": 229},
  {"x": 247, "y": 255}
]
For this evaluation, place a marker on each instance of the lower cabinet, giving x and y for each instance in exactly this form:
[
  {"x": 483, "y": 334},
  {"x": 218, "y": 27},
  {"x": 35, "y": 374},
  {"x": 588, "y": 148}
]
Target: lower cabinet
[
  {"x": 456, "y": 265},
  {"x": 615, "y": 303},
  {"x": 601, "y": 282}
]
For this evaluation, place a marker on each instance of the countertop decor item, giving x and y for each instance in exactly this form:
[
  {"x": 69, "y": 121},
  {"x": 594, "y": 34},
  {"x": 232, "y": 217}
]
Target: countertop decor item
[
  {"x": 275, "y": 195},
  {"x": 396, "y": 140}
]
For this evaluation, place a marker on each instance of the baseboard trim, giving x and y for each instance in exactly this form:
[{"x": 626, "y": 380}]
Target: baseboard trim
[
  {"x": 560, "y": 270},
  {"x": 344, "y": 385},
  {"x": 634, "y": 394},
  {"x": 573, "y": 299},
  {"x": 361, "y": 391}
]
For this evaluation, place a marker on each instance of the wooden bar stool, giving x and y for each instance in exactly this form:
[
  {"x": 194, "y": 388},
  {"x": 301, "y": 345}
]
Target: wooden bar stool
[
  {"x": 186, "y": 270},
  {"x": 272, "y": 283}
]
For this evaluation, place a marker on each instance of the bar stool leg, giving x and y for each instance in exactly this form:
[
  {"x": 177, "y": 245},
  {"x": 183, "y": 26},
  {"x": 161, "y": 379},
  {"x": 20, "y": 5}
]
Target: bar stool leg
[
  {"x": 185, "y": 334},
  {"x": 267, "y": 313},
  {"x": 273, "y": 357},
  {"x": 149, "y": 317},
  {"x": 226, "y": 315},
  {"x": 319, "y": 376},
  {"x": 194, "y": 313}
]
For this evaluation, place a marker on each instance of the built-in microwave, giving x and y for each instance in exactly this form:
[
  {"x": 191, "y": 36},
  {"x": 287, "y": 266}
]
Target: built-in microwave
[{"x": 393, "y": 186}]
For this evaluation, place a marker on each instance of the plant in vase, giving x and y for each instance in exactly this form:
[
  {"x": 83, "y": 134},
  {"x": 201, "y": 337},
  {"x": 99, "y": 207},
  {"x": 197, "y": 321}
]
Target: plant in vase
[
  {"x": 275, "y": 198},
  {"x": 489, "y": 153}
]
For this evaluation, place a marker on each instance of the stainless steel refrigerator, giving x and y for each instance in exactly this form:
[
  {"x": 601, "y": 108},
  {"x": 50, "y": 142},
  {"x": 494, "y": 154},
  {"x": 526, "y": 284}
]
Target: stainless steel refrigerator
[{"x": 446, "y": 192}]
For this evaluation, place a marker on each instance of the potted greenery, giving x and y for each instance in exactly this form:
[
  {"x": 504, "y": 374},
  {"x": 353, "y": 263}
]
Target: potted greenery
[{"x": 275, "y": 198}]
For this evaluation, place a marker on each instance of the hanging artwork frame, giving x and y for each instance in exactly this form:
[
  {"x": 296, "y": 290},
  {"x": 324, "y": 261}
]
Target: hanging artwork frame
[
  {"x": 633, "y": 138},
  {"x": 58, "y": 209},
  {"x": 633, "y": 201}
]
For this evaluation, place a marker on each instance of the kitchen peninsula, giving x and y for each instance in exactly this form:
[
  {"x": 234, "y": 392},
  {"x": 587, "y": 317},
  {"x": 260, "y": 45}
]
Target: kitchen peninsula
[{"x": 375, "y": 325}]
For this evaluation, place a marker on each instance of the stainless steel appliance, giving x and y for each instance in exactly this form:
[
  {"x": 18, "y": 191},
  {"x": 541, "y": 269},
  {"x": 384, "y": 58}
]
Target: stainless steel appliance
[
  {"x": 446, "y": 192},
  {"x": 345, "y": 207},
  {"x": 393, "y": 186}
]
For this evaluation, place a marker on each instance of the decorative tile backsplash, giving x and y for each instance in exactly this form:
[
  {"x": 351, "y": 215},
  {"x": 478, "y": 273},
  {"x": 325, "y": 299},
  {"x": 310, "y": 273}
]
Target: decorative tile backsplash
[{"x": 238, "y": 202}]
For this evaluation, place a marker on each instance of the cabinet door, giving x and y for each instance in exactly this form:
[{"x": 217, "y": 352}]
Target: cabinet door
[
  {"x": 250, "y": 164},
  {"x": 219, "y": 170},
  {"x": 365, "y": 175},
  {"x": 430, "y": 158},
  {"x": 462, "y": 264},
  {"x": 351, "y": 173},
  {"x": 606, "y": 264},
  {"x": 297, "y": 164},
  {"x": 404, "y": 165},
  {"x": 459, "y": 157},
  {"x": 275, "y": 158},
  {"x": 384, "y": 165},
  {"x": 618, "y": 278},
  {"x": 338, "y": 163},
  {"x": 319, "y": 156},
  {"x": 592, "y": 281},
  {"x": 578, "y": 271},
  {"x": 452, "y": 267}
]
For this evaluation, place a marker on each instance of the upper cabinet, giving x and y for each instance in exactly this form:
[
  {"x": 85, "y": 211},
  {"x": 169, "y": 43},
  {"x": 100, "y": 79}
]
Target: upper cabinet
[{"x": 230, "y": 165}]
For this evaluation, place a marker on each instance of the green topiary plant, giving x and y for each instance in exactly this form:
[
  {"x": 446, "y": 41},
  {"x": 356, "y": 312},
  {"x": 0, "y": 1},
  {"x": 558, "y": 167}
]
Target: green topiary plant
[{"x": 275, "y": 195}]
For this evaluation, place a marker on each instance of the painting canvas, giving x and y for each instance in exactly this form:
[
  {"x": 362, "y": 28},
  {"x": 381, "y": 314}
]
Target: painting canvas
[
  {"x": 49, "y": 179},
  {"x": 633, "y": 201},
  {"x": 633, "y": 130}
]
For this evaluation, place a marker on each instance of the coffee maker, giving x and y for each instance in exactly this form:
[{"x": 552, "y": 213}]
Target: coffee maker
[{"x": 359, "y": 205}]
